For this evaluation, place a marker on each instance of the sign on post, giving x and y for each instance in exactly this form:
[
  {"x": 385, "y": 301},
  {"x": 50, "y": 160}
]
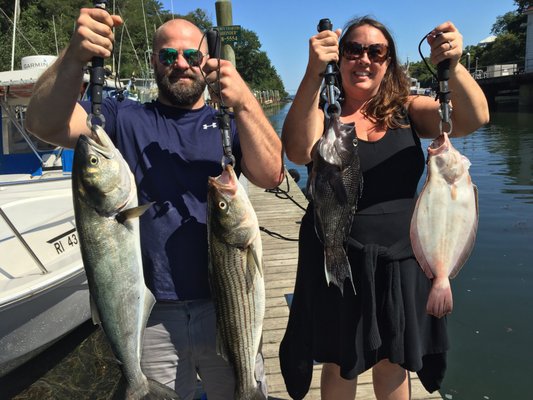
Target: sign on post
[{"x": 229, "y": 34}]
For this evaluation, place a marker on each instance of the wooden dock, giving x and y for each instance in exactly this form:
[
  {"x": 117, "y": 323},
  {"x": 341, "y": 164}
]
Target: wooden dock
[{"x": 278, "y": 214}]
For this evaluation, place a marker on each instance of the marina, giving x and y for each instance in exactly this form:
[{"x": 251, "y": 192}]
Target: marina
[
  {"x": 49, "y": 348},
  {"x": 489, "y": 355},
  {"x": 89, "y": 369}
]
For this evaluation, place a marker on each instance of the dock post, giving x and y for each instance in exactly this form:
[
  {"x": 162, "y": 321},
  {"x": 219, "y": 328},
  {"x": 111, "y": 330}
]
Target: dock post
[{"x": 225, "y": 18}]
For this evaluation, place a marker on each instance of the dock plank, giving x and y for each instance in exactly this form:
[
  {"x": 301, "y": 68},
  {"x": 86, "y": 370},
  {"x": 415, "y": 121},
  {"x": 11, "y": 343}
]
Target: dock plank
[{"x": 279, "y": 217}]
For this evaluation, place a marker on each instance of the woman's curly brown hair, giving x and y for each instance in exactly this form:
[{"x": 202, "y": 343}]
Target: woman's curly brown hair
[{"x": 387, "y": 107}]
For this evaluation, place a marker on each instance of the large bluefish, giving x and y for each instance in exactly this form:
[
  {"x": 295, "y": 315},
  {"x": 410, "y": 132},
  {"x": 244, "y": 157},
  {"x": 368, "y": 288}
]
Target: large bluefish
[
  {"x": 105, "y": 205},
  {"x": 236, "y": 278},
  {"x": 335, "y": 185},
  {"x": 444, "y": 222}
]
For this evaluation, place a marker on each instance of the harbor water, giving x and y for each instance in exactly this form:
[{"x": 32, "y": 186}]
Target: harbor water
[{"x": 491, "y": 327}]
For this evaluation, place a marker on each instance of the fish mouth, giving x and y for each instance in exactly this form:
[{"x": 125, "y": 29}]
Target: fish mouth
[
  {"x": 226, "y": 181},
  {"x": 99, "y": 142},
  {"x": 439, "y": 145}
]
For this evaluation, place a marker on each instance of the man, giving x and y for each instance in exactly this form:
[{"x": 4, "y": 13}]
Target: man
[{"x": 171, "y": 145}]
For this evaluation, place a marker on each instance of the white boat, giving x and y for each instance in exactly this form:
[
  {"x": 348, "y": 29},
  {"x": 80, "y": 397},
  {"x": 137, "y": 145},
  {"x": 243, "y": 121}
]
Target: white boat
[{"x": 43, "y": 289}]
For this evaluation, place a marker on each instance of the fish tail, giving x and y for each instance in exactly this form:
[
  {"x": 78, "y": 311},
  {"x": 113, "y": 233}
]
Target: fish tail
[
  {"x": 254, "y": 394},
  {"x": 337, "y": 267},
  {"x": 158, "y": 391}
]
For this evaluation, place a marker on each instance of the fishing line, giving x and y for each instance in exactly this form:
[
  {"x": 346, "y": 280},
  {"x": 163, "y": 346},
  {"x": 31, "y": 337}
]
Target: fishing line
[
  {"x": 423, "y": 58},
  {"x": 284, "y": 195},
  {"x": 276, "y": 235},
  {"x": 211, "y": 85}
]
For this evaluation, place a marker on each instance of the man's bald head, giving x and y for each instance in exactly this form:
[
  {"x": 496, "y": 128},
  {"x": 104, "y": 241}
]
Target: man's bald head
[{"x": 178, "y": 29}]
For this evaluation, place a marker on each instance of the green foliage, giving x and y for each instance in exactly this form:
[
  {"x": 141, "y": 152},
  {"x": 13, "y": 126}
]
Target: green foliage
[
  {"x": 509, "y": 47},
  {"x": 45, "y": 27},
  {"x": 419, "y": 71},
  {"x": 523, "y": 5},
  {"x": 511, "y": 22},
  {"x": 255, "y": 66}
]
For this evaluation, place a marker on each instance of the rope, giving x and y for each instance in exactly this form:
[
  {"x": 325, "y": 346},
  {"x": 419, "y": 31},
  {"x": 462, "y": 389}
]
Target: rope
[{"x": 284, "y": 195}]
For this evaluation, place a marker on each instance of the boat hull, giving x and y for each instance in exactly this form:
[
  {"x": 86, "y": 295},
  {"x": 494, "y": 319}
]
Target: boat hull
[
  {"x": 43, "y": 288},
  {"x": 32, "y": 324}
]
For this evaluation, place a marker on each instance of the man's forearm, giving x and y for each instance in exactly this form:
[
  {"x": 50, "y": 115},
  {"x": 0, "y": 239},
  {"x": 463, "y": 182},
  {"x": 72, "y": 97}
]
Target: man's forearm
[{"x": 54, "y": 100}]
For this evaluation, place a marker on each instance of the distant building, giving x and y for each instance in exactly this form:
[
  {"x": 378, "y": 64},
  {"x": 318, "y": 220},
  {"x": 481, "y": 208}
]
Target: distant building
[
  {"x": 529, "y": 40},
  {"x": 487, "y": 40}
]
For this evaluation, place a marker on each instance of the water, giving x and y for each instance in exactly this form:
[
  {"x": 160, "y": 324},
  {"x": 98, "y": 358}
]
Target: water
[{"x": 491, "y": 327}]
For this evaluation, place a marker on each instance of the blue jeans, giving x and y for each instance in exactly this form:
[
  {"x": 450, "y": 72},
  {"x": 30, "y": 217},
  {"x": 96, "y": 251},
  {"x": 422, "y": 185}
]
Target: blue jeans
[{"x": 179, "y": 344}]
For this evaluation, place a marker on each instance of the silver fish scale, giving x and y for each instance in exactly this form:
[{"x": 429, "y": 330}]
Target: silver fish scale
[
  {"x": 234, "y": 283},
  {"x": 335, "y": 190}
]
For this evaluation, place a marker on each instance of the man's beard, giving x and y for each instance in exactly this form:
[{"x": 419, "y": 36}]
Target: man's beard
[{"x": 177, "y": 93}]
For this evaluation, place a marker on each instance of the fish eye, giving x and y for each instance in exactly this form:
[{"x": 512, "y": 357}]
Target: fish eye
[
  {"x": 93, "y": 160},
  {"x": 222, "y": 205}
]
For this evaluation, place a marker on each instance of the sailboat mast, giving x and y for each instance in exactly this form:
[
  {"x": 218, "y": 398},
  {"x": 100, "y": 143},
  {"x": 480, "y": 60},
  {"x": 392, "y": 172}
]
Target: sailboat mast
[{"x": 15, "y": 18}]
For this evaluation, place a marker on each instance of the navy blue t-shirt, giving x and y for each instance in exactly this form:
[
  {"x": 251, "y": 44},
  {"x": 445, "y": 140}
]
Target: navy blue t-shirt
[{"x": 171, "y": 153}]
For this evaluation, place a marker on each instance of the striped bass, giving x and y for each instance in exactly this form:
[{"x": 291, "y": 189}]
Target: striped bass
[
  {"x": 105, "y": 207},
  {"x": 236, "y": 278},
  {"x": 444, "y": 222}
]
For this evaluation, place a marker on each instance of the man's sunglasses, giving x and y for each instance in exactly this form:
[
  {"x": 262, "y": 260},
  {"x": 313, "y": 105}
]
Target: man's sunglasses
[
  {"x": 377, "y": 52},
  {"x": 168, "y": 56}
]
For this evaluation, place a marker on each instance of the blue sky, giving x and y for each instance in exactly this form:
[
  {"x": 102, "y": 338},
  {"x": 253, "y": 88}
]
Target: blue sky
[{"x": 284, "y": 27}]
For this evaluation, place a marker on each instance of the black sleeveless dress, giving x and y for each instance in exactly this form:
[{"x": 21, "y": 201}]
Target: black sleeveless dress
[{"x": 387, "y": 317}]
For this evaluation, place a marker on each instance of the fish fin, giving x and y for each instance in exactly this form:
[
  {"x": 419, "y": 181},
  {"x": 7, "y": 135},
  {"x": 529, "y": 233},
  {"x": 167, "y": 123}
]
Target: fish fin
[
  {"x": 469, "y": 242},
  {"x": 94, "y": 311},
  {"x": 149, "y": 302},
  {"x": 255, "y": 259},
  {"x": 465, "y": 254},
  {"x": 318, "y": 224},
  {"x": 337, "y": 185},
  {"x": 476, "y": 194},
  {"x": 134, "y": 212},
  {"x": 337, "y": 267},
  {"x": 157, "y": 390},
  {"x": 418, "y": 251},
  {"x": 146, "y": 389},
  {"x": 220, "y": 347},
  {"x": 255, "y": 394}
]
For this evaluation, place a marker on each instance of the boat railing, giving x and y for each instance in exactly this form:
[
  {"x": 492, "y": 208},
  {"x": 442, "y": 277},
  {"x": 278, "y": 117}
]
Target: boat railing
[
  {"x": 25, "y": 244},
  {"x": 39, "y": 179}
]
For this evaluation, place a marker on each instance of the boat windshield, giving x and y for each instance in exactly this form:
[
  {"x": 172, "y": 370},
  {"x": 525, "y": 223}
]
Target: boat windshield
[{"x": 14, "y": 136}]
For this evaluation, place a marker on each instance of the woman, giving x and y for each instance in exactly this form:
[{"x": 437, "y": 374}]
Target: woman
[{"x": 386, "y": 325}]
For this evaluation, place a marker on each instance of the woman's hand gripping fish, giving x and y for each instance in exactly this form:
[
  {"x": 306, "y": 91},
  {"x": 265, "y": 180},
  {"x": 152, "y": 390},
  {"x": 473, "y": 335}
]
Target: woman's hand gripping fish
[
  {"x": 444, "y": 223},
  {"x": 335, "y": 184}
]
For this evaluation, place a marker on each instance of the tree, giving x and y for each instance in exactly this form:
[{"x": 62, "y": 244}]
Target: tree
[
  {"x": 523, "y": 5},
  {"x": 254, "y": 65},
  {"x": 47, "y": 25},
  {"x": 420, "y": 71}
]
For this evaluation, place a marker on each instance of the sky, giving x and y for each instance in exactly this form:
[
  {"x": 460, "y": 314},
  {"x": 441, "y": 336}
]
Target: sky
[{"x": 284, "y": 26}]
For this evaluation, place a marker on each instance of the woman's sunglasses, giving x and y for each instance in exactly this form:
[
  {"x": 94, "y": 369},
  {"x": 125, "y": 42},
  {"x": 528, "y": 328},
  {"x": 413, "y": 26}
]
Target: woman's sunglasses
[
  {"x": 377, "y": 52},
  {"x": 168, "y": 56}
]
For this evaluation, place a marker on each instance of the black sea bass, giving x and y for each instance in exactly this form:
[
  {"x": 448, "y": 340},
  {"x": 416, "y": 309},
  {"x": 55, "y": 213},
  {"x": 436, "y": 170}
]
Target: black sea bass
[
  {"x": 444, "y": 223},
  {"x": 105, "y": 205},
  {"x": 335, "y": 184}
]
